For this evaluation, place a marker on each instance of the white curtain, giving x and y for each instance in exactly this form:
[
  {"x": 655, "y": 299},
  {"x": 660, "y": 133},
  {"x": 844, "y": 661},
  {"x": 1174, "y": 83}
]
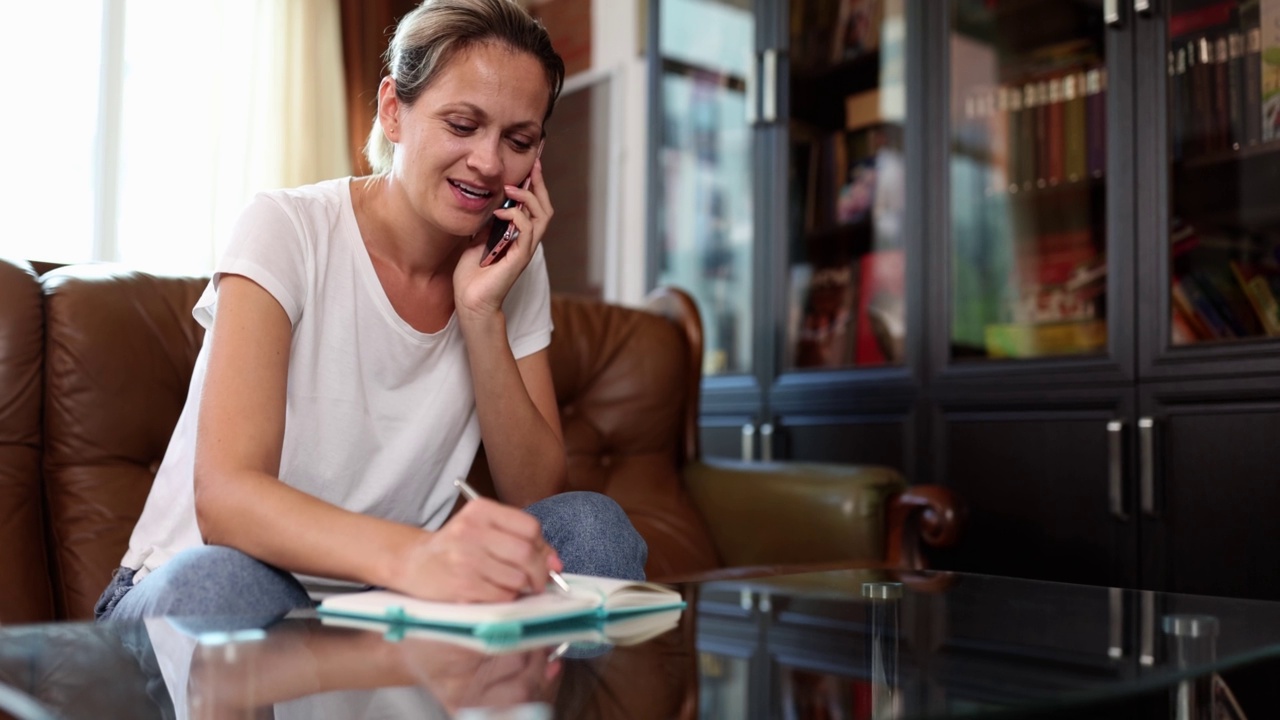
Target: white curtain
[{"x": 209, "y": 102}]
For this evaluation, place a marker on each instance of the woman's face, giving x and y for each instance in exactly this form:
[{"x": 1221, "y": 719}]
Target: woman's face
[{"x": 474, "y": 130}]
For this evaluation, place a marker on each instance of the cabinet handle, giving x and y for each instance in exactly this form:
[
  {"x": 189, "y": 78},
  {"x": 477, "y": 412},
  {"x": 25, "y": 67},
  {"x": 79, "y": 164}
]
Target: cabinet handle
[
  {"x": 766, "y": 442},
  {"x": 769, "y": 87},
  {"x": 749, "y": 89},
  {"x": 1147, "y": 654},
  {"x": 1115, "y": 487},
  {"x": 1147, "y": 476},
  {"x": 748, "y": 442},
  {"x": 1111, "y": 12},
  {"x": 1115, "y": 638},
  {"x": 1142, "y": 7}
]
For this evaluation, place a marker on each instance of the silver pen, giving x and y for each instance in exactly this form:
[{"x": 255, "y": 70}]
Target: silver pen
[{"x": 470, "y": 493}]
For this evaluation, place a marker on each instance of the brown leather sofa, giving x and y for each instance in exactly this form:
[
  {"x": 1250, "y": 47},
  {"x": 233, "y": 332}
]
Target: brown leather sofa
[{"x": 95, "y": 362}]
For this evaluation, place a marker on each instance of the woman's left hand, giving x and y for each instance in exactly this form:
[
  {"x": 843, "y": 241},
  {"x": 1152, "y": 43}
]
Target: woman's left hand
[{"x": 480, "y": 291}]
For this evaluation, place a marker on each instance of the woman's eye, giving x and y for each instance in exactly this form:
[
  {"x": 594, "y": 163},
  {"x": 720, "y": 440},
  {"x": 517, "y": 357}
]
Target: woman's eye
[
  {"x": 521, "y": 145},
  {"x": 460, "y": 128}
]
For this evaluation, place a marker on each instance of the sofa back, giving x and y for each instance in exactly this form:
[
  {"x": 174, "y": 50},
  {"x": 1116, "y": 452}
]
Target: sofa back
[
  {"x": 26, "y": 594},
  {"x": 116, "y": 362},
  {"x": 119, "y": 351},
  {"x": 622, "y": 379}
]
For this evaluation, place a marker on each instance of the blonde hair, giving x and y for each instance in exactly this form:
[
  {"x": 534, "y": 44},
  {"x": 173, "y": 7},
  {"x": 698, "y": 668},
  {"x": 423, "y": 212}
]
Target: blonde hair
[{"x": 436, "y": 31}]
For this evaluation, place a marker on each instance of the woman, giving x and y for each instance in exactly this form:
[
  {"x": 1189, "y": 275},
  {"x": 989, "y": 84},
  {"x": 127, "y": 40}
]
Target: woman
[{"x": 357, "y": 354}]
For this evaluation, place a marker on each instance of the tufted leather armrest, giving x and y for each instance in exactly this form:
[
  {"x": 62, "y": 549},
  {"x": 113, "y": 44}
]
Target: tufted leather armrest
[{"x": 794, "y": 513}]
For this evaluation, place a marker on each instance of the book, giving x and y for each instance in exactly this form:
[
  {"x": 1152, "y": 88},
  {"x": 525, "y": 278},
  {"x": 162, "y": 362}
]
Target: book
[
  {"x": 1075, "y": 159},
  {"x": 1096, "y": 121},
  {"x": 1258, "y": 290},
  {"x": 1252, "y": 72},
  {"x": 625, "y": 631},
  {"x": 1269, "y": 54},
  {"x": 880, "y": 327},
  {"x": 590, "y": 600},
  {"x": 1029, "y": 340}
]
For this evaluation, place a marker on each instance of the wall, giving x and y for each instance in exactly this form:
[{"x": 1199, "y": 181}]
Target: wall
[{"x": 616, "y": 48}]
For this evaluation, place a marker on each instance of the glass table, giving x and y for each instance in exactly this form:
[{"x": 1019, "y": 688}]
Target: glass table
[{"x": 831, "y": 643}]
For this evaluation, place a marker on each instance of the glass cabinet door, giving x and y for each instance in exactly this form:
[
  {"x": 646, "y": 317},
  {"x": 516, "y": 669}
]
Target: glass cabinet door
[
  {"x": 845, "y": 303},
  {"x": 1027, "y": 148},
  {"x": 706, "y": 53},
  {"x": 1224, "y": 173}
]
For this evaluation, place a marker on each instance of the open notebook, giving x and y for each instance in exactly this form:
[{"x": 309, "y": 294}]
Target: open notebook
[
  {"x": 590, "y": 601},
  {"x": 628, "y": 630}
]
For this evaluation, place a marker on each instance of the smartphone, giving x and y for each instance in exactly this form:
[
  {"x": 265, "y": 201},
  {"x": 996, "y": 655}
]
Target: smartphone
[{"x": 503, "y": 231}]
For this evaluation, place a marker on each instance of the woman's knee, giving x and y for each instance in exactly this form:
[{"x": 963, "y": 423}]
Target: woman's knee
[
  {"x": 592, "y": 534},
  {"x": 214, "y": 581}
]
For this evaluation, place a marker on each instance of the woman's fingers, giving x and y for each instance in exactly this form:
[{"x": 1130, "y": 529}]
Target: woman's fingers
[{"x": 512, "y": 557}]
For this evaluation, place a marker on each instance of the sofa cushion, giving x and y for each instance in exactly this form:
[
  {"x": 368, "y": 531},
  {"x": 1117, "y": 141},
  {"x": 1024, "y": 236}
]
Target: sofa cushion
[
  {"x": 120, "y": 350},
  {"x": 26, "y": 594}
]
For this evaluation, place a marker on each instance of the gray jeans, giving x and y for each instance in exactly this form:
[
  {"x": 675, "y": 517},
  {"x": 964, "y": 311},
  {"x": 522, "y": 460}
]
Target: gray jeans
[{"x": 589, "y": 531}]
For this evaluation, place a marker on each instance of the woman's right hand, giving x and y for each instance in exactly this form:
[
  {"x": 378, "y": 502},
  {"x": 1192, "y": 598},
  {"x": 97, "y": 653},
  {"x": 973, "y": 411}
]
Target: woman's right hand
[{"x": 487, "y": 552}]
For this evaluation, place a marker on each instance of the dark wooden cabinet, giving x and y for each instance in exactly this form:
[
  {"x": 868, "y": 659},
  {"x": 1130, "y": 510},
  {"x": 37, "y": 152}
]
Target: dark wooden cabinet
[
  {"x": 1211, "y": 526},
  {"x": 1086, "y": 344},
  {"x": 1038, "y": 472}
]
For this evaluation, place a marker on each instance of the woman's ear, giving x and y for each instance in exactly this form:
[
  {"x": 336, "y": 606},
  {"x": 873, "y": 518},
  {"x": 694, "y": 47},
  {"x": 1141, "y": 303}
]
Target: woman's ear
[{"x": 389, "y": 109}]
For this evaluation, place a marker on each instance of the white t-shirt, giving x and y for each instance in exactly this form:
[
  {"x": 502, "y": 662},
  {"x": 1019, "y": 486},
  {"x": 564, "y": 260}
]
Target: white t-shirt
[{"x": 379, "y": 418}]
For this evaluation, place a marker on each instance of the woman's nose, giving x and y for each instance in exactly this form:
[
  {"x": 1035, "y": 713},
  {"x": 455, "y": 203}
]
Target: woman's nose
[{"x": 486, "y": 159}]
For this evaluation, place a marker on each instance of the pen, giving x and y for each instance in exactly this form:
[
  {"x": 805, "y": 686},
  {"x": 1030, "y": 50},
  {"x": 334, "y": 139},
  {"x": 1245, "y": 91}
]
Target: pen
[{"x": 471, "y": 494}]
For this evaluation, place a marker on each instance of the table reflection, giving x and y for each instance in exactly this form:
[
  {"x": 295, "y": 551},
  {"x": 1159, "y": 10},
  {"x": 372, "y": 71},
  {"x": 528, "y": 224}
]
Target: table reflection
[{"x": 306, "y": 668}]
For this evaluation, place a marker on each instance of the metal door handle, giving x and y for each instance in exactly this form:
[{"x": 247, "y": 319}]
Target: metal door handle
[
  {"x": 748, "y": 442},
  {"x": 1115, "y": 638},
  {"x": 1111, "y": 12},
  {"x": 1115, "y": 489},
  {"x": 1147, "y": 652},
  {"x": 769, "y": 87},
  {"x": 766, "y": 442},
  {"x": 1147, "y": 475}
]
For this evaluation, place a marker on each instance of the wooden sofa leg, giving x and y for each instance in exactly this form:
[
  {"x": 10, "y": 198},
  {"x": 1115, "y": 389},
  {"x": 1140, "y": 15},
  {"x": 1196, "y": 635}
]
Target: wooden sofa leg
[{"x": 929, "y": 513}]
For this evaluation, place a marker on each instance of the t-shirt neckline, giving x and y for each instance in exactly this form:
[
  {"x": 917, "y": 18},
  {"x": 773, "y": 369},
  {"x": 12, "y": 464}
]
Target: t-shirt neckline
[{"x": 368, "y": 277}]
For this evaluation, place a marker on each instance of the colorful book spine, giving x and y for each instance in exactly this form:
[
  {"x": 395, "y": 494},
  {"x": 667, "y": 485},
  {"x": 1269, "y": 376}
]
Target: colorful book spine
[
  {"x": 1258, "y": 290},
  {"x": 1252, "y": 71},
  {"x": 1235, "y": 89},
  {"x": 1096, "y": 120},
  {"x": 1074, "y": 154},
  {"x": 1055, "y": 133},
  {"x": 1269, "y": 53}
]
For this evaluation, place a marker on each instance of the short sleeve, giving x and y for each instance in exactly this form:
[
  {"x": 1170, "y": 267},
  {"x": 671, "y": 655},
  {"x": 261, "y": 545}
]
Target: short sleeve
[
  {"x": 528, "y": 308},
  {"x": 268, "y": 248}
]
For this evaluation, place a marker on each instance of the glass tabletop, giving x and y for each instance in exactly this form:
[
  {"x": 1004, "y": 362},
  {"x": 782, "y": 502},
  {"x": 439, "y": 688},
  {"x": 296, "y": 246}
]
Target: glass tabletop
[{"x": 846, "y": 643}]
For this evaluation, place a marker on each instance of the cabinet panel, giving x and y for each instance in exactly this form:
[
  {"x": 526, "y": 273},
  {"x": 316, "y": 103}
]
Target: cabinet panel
[
  {"x": 869, "y": 439},
  {"x": 1038, "y": 485},
  {"x": 722, "y": 436},
  {"x": 1214, "y": 530}
]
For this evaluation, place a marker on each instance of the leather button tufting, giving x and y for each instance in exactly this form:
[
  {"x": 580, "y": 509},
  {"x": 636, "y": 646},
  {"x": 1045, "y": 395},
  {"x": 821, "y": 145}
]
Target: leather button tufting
[{"x": 154, "y": 467}]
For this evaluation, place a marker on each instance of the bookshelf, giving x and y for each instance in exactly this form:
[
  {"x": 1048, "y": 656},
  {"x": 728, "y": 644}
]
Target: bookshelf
[
  {"x": 1053, "y": 218},
  {"x": 1122, "y": 442}
]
